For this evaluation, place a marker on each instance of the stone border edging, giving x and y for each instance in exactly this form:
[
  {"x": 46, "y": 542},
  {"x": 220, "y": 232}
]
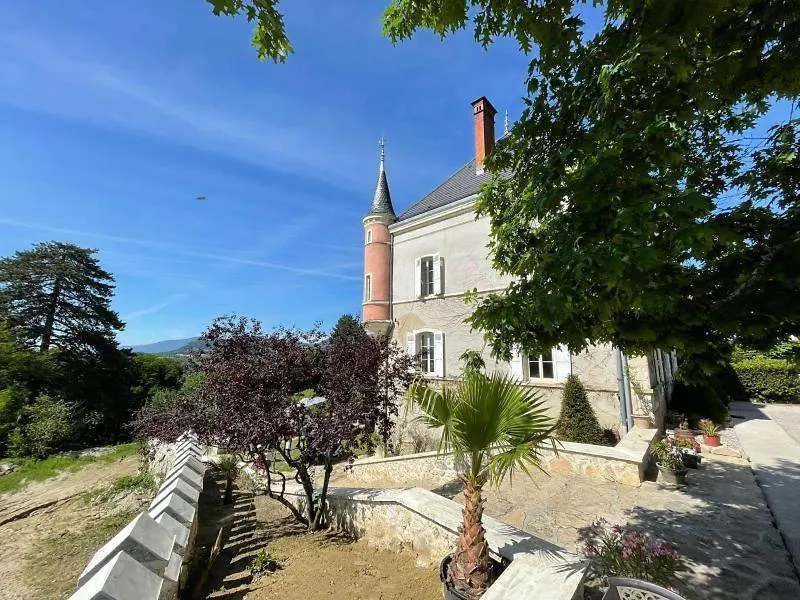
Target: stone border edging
[{"x": 148, "y": 559}]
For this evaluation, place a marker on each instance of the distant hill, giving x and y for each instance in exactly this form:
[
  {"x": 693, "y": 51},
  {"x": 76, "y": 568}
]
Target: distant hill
[
  {"x": 185, "y": 349},
  {"x": 164, "y": 346}
]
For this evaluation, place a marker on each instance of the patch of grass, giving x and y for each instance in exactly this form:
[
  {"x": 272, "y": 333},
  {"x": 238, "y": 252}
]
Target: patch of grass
[
  {"x": 54, "y": 563},
  {"x": 39, "y": 470},
  {"x": 143, "y": 481}
]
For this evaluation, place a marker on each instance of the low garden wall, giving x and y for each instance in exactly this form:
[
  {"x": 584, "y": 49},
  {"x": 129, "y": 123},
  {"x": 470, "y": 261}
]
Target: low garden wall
[
  {"x": 624, "y": 463},
  {"x": 148, "y": 559},
  {"x": 426, "y": 524}
]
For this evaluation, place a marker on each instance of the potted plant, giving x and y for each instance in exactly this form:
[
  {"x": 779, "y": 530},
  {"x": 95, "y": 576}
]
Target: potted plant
[
  {"x": 492, "y": 426},
  {"x": 689, "y": 452},
  {"x": 669, "y": 461},
  {"x": 710, "y": 432}
]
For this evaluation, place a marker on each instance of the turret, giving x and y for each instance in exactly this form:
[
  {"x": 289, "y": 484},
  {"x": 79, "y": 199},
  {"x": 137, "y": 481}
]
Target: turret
[{"x": 378, "y": 255}]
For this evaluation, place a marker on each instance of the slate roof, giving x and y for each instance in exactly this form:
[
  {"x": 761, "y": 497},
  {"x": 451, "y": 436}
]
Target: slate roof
[
  {"x": 464, "y": 182},
  {"x": 382, "y": 201}
]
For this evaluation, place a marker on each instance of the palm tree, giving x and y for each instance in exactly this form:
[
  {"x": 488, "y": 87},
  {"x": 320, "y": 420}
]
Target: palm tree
[
  {"x": 492, "y": 426},
  {"x": 227, "y": 465}
]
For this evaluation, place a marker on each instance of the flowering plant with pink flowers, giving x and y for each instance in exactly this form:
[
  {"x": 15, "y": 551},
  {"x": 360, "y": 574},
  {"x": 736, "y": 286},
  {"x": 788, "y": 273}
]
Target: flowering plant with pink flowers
[{"x": 622, "y": 552}]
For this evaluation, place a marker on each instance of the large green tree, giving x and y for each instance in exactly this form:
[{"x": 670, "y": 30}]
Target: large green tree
[
  {"x": 649, "y": 192},
  {"x": 57, "y": 294}
]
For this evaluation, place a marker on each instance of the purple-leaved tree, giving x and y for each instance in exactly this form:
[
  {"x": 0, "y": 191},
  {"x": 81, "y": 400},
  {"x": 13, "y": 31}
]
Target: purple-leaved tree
[{"x": 249, "y": 399}]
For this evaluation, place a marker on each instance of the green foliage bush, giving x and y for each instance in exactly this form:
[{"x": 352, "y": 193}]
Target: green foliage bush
[
  {"x": 12, "y": 400},
  {"x": 578, "y": 422},
  {"x": 769, "y": 379},
  {"x": 47, "y": 426},
  {"x": 698, "y": 400}
]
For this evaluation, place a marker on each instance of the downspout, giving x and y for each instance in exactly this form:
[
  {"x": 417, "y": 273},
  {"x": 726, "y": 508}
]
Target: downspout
[
  {"x": 623, "y": 409},
  {"x": 627, "y": 389}
]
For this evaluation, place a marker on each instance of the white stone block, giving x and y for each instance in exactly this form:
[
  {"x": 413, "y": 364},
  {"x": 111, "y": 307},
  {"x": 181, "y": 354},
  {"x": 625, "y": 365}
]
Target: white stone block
[
  {"x": 176, "y": 507},
  {"x": 142, "y": 539},
  {"x": 186, "y": 474},
  {"x": 192, "y": 462},
  {"x": 187, "y": 435},
  {"x": 180, "y": 487},
  {"x": 121, "y": 578},
  {"x": 173, "y": 570},
  {"x": 191, "y": 451},
  {"x": 179, "y": 530}
]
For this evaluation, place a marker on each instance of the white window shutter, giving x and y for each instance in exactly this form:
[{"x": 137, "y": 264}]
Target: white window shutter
[
  {"x": 418, "y": 277},
  {"x": 562, "y": 363},
  {"x": 438, "y": 354},
  {"x": 438, "y": 264},
  {"x": 411, "y": 344},
  {"x": 515, "y": 370}
]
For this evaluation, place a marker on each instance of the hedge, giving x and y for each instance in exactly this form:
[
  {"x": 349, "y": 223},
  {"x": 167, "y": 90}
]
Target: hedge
[{"x": 769, "y": 379}]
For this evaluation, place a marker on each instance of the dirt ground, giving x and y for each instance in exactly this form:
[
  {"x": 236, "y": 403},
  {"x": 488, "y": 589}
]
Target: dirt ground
[
  {"x": 50, "y": 530},
  {"x": 321, "y": 565}
]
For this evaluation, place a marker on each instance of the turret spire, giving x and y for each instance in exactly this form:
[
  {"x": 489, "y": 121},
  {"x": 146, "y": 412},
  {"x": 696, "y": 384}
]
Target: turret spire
[{"x": 382, "y": 200}]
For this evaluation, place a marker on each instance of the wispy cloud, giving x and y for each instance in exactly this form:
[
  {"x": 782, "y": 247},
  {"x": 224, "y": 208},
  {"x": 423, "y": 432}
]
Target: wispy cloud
[
  {"x": 322, "y": 271},
  {"x": 152, "y": 309},
  {"x": 63, "y": 76}
]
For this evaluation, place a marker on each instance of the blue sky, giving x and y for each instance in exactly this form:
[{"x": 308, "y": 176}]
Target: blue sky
[{"x": 116, "y": 115}]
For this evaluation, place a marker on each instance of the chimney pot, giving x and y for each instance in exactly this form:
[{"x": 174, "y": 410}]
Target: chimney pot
[{"x": 484, "y": 114}]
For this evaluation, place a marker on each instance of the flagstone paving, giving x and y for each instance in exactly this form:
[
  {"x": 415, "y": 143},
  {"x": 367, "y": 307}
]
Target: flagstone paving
[{"x": 720, "y": 522}]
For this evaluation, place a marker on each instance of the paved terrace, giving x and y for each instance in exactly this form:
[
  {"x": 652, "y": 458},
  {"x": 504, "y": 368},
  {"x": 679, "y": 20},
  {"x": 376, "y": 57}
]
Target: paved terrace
[{"x": 720, "y": 522}]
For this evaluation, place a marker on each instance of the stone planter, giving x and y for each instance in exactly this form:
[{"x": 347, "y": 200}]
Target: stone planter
[
  {"x": 676, "y": 476},
  {"x": 711, "y": 440},
  {"x": 642, "y": 421}
]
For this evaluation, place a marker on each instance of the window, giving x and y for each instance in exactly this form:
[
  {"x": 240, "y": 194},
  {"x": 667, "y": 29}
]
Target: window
[
  {"x": 554, "y": 365},
  {"x": 369, "y": 236},
  {"x": 429, "y": 276},
  {"x": 427, "y": 361},
  {"x": 426, "y": 276},
  {"x": 367, "y": 288},
  {"x": 541, "y": 367},
  {"x": 427, "y": 350}
]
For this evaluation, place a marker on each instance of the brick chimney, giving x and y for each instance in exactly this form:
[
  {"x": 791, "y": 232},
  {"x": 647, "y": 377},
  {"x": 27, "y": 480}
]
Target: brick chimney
[{"x": 484, "y": 130}]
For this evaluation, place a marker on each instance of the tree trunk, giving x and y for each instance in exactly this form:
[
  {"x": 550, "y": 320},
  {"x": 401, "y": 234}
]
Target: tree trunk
[
  {"x": 470, "y": 569},
  {"x": 321, "y": 512},
  {"x": 228, "y": 490},
  {"x": 49, "y": 321}
]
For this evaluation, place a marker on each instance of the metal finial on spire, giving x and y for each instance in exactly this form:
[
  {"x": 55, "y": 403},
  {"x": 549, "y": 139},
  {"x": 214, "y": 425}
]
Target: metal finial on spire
[
  {"x": 383, "y": 150},
  {"x": 505, "y": 125}
]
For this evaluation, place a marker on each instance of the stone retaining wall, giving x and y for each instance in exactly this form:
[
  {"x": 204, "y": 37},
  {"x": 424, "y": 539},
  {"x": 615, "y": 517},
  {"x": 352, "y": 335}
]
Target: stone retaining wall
[
  {"x": 624, "y": 463},
  {"x": 148, "y": 559},
  {"x": 419, "y": 521}
]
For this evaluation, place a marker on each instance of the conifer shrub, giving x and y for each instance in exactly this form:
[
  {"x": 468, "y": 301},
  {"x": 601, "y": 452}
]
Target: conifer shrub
[{"x": 578, "y": 422}]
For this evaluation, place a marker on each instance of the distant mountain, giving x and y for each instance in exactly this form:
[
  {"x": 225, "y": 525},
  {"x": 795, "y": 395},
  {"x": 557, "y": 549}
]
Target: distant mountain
[
  {"x": 164, "y": 346},
  {"x": 185, "y": 349}
]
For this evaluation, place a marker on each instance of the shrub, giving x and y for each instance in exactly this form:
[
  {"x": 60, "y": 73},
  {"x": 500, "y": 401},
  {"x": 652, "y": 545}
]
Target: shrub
[
  {"x": 769, "y": 379},
  {"x": 48, "y": 425},
  {"x": 11, "y": 401},
  {"x": 577, "y": 422},
  {"x": 698, "y": 400},
  {"x": 264, "y": 561},
  {"x": 616, "y": 552}
]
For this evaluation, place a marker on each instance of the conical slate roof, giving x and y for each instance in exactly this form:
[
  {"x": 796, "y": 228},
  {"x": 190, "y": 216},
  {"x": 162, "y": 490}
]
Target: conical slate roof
[{"x": 382, "y": 201}]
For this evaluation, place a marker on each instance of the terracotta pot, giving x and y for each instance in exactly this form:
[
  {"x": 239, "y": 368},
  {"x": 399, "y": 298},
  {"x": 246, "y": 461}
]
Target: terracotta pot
[
  {"x": 711, "y": 440},
  {"x": 642, "y": 422}
]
